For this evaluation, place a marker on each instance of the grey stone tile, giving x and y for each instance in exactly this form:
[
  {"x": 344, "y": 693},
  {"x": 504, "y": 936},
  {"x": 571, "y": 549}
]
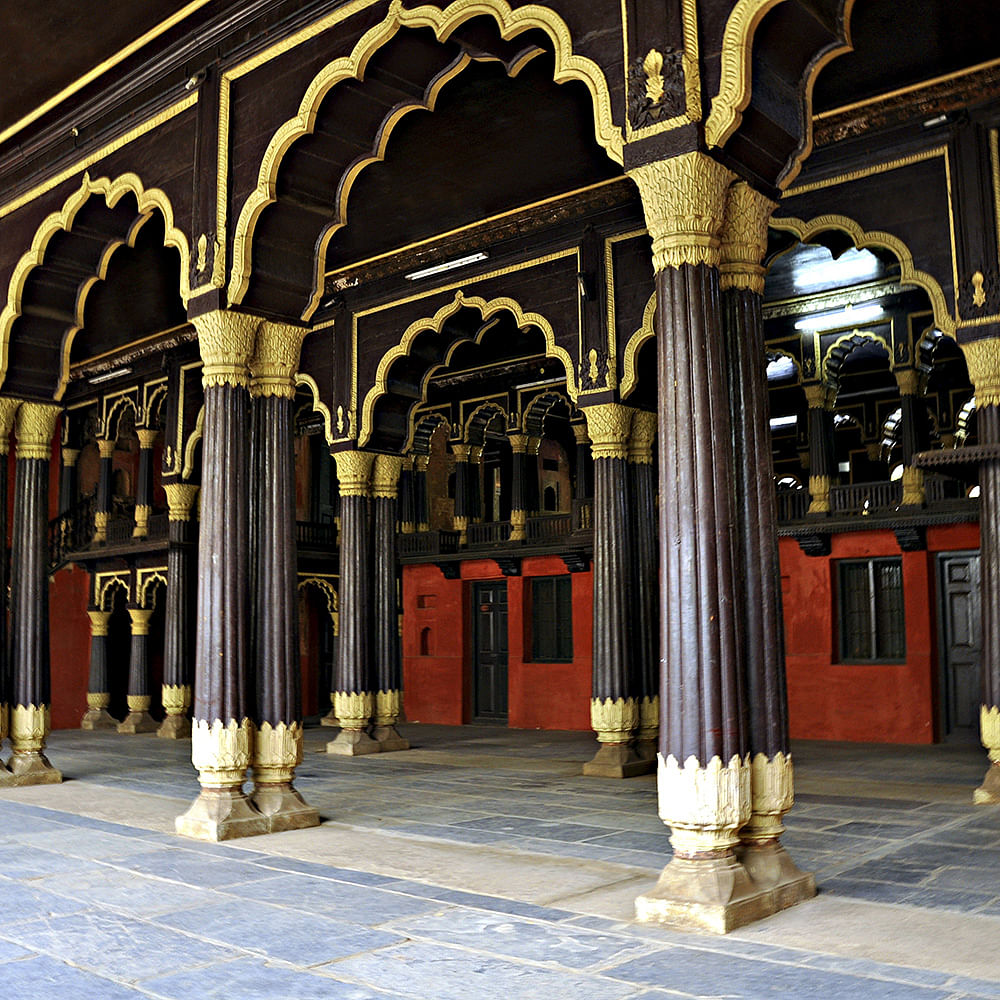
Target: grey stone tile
[
  {"x": 20, "y": 902},
  {"x": 45, "y": 978},
  {"x": 255, "y": 979},
  {"x": 876, "y": 892},
  {"x": 415, "y": 969},
  {"x": 10, "y": 952},
  {"x": 484, "y": 902},
  {"x": 122, "y": 948},
  {"x": 193, "y": 868},
  {"x": 26, "y": 862}
]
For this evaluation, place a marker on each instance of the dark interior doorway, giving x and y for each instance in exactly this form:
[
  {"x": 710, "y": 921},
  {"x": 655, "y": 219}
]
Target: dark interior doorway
[{"x": 489, "y": 661}]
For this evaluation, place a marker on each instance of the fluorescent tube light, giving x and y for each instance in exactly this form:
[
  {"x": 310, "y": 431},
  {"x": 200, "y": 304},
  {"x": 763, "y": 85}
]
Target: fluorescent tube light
[
  {"x": 849, "y": 316},
  {"x": 450, "y": 265},
  {"x": 108, "y": 376}
]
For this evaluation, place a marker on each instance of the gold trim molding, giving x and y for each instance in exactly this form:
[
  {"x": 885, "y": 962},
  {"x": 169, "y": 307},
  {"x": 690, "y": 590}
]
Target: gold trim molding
[
  {"x": 684, "y": 201},
  {"x": 96, "y": 700},
  {"x": 98, "y": 624},
  {"x": 8, "y": 411},
  {"x": 640, "y": 442},
  {"x": 819, "y": 493},
  {"x": 388, "y": 707},
  {"x": 704, "y": 806}
]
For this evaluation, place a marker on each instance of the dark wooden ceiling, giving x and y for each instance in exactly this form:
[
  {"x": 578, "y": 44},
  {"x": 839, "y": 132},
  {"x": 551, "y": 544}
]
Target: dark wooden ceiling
[{"x": 48, "y": 46}]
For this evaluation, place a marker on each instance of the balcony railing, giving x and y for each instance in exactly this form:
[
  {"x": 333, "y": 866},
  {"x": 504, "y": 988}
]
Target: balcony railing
[
  {"x": 428, "y": 543},
  {"x": 583, "y": 515},
  {"x": 548, "y": 526},
  {"x": 316, "y": 535},
  {"x": 865, "y": 498},
  {"x": 71, "y": 531},
  {"x": 488, "y": 533},
  {"x": 792, "y": 504}
]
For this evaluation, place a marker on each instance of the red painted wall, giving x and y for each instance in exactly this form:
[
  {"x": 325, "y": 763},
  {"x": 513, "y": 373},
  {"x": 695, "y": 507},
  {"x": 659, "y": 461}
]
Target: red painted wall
[
  {"x": 890, "y": 703},
  {"x": 438, "y": 683},
  {"x": 69, "y": 642}
]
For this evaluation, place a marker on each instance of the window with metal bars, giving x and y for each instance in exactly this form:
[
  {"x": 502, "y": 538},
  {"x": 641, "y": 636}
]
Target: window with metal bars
[
  {"x": 872, "y": 625},
  {"x": 552, "y": 619}
]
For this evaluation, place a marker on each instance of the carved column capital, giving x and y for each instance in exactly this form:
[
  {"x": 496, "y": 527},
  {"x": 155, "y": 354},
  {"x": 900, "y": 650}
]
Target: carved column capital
[
  {"x": 744, "y": 239},
  {"x": 908, "y": 381},
  {"x": 518, "y": 443},
  {"x": 35, "y": 424},
  {"x": 385, "y": 476},
  {"x": 580, "y": 434},
  {"x": 276, "y": 359},
  {"x": 226, "y": 342},
  {"x": 69, "y": 457},
  {"x": 140, "y": 620},
  {"x": 8, "y": 408},
  {"x": 180, "y": 500},
  {"x": 817, "y": 396},
  {"x": 684, "y": 201},
  {"x": 420, "y": 462},
  {"x": 354, "y": 471},
  {"x": 640, "y": 443},
  {"x": 983, "y": 360},
  {"x": 147, "y": 436},
  {"x": 106, "y": 447},
  {"x": 99, "y": 622},
  {"x": 609, "y": 425},
  {"x": 461, "y": 452}
]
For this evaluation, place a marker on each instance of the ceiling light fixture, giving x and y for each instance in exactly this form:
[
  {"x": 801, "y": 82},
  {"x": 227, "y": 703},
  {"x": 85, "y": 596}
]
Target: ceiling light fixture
[
  {"x": 108, "y": 376},
  {"x": 849, "y": 316},
  {"x": 450, "y": 265}
]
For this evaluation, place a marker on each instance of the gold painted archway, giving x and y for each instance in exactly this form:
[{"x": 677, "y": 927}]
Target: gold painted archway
[
  {"x": 488, "y": 309},
  {"x": 511, "y": 22},
  {"x": 112, "y": 191}
]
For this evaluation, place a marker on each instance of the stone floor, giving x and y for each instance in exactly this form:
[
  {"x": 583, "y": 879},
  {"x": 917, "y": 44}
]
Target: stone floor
[{"x": 481, "y": 864}]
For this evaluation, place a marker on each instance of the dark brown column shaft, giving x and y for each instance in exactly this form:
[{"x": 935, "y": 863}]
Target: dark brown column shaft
[
  {"x": 518, "y": 488},
  {"x": 583, "y": 484},
  {"x": 913, "y": 433},
  {"x": 354, "y": 687},
  {"x": 463, "y": 512},
  {"x": 98, "y": 682},
  {"x": 421, "y": 500},
  {"x": 68, "y": 479},
  {"x": 178, "y": 638},
  {"x": 222, "y": 731},
  {"x": 532, "y": 485},
  {"x": 407, "y": 510},
  {"x": 102, "y": 507},
  {"x": 822, "y": 468},
  {"x": 983, "y": 358},
  {"x": 140, "y": 681},
  {"x": 144, "y": 487},
  {"x": 644, "y": 604},
  {"x": 29, "y": 599},
  {"x": 8, "y": 407},
  {"x": 758, "y": 576},
  {"x": 476, "y": 483}
]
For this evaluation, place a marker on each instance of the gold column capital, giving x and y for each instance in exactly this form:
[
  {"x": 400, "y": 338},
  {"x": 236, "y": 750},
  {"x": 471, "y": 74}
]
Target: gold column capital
[
  {"x": 908, "y": 381},
  {"x": 34, "y": 425},
  {"x": 817, "y": 396},
  {"x": 580, "y": 434},
  {"x": 420, "y": 462},
  {"x": 518, "y": 443},
  {"x": 914, "y": 493},
  {"x": 106, "y": 447},
  {"x": 29, "y": 725},
  {"x": 147, "y": 436},
  {"x": 69, "y": 457},
  {"x": 140, "y": 620},
  {"x": 983, "y": 360},
  {"x": 176, "y": 698},
  {"x": 226, "y": 341},
  {"x": 386, "y": 470},
  {"x": 819, "y": 491},
  {"x": 276, "y": 359},
  {"x": 744, "y": 239},
  {"x": 609, "y": 425},
  {"x": 8, "y": 408},
  {"x": 640, "y": 443},
  {"x": 461, "y": 452},
  {"x": 99, "y": 622},
  {"x": 684, "y": 200},
  {"x": 614, "y": 720},
  {"x": 476, "y": 454},
  {"x": 353, "y": 471},
  {"x": 180, "y": 499}
]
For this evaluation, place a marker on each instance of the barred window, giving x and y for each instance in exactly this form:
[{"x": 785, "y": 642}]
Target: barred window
[
  {"x": 552, "y": 619},
  {"x": 871, "y": 618}
]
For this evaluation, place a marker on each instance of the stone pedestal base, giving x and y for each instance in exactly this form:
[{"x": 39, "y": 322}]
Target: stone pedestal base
[
  {"x": 329, "y": 719},
  {"x": 33, "y": 768},
  {"x": 988, "y": 793},
  {"x": 98, "y": 718},
  {"x": 6, "y": 778},
  {"x": 618, "y": 760},
  {"x": 283, "y": 808},
  {"x": 771, "y": 867},
  {"x": 221, "y": 814},
  {"x": 138, "y": 722},
  {"x": 353, "y": 743},
  {"x": 175, "y": 727},
  {"x": 647, "y": 750},
  {"x": 388, "y": 739}
]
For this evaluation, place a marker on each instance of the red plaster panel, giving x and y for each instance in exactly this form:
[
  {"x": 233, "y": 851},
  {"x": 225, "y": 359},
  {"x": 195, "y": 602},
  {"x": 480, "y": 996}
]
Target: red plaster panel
[{"x": 69, "y": 639}]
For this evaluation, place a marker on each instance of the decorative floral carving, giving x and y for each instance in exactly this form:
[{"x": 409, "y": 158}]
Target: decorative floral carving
[
  {"x": 656, "y": 87},
  {"x": 614, "y": 721}
]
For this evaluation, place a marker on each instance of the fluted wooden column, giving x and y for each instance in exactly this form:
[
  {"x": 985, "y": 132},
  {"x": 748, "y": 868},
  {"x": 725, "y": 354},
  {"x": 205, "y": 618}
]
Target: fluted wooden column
[
  {"x": 822, "y": 471},
  {"x": 614, "y": 708},
  {"x": 8, "y": 408},
  {"x": 518, "y": 488},
  {"x": 222, "y": 733},
  {"x": 703, "y": 778},
  {"x": 354, "y": 687},
  {"x": 98, "y": 683},
  {"x": 407, "y": 515},
  {"x": 421, "y": 499},
  {"x": 983, "y": 358},
  {"x": 68, "y": 478},
  {"x": 913, "y": 436},
  {"x": 757, "y": 578},
  {"x": 583, "y": 484},
  {"x": 532, "y": 483},
  {"x": 144, "y": 487},
  {"x": 476, "y": 484},
  {"x": 278, "y": 741},
  {"x": 644, "y": 604},
  {"x": 140, "y": 694},
  {"x": 178, "y": 634},
  {"x": 385, "y": 606},
  {"x": 462, "y": 514},
  {"x": 29, "y": 597},
  {"x": 102, "y": 507}
]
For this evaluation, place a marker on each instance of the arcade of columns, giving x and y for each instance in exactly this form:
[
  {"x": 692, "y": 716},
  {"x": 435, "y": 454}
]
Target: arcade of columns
[{"x": 716, "y": 715}]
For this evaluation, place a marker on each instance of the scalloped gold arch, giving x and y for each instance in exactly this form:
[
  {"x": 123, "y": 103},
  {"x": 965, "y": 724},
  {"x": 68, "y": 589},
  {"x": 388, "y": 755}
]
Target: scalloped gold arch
[
  {"x": 491, "y": 405},
  {"x": 149, "y": 579},
  {"x": 154, "y": 404},
  {"x": 417, "y": 420},
  {"x": 791, "y": 357},
  {"x": 442, "y": 22},
  {"x": 630, "y": 377},
  {"x": 329, "y": 591},
  {"x": 113, "y": 416},
  {"x": 850, "y": 335},
  {"x": 112, "y": 191},
  {"x": 192, "y": 443},
  {"x": 436, "y": 322},
  {"x": 538, "y": 395},
  {"x": 908, "y": 273},
  {"x": 318, "y": 405},
  {"x": 107, "y": 582}
]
